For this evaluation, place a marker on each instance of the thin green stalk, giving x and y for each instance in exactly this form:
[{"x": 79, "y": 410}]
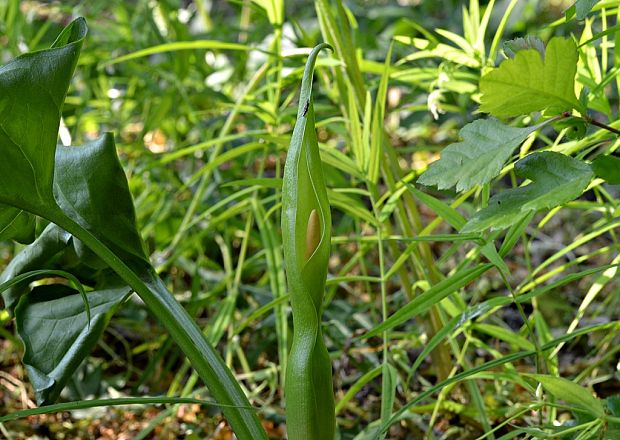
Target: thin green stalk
[
  {"x": 95, "y": 403},
  {"x": 387, "y": 386},
  {"x": 500, "y": 31},
  {"x": 206, "y": 176}
]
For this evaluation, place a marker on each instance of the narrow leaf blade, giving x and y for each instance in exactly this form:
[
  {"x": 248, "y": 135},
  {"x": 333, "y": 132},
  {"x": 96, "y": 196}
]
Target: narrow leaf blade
[
  {"x": 432, "y": 296},
  {"x": 571, "y": 392}
]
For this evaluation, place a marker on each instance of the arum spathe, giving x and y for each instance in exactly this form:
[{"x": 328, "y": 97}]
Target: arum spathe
[{"x": 306, "y": 231}]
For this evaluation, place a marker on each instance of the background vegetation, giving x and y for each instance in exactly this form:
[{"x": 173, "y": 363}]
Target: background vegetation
[{"x": 201, "y": 97}]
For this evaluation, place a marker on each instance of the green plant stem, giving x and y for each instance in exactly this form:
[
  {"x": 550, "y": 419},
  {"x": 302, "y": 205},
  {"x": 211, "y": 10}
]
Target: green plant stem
[
  {"x": 541, "y": 363},
  {"x": 206, "y": 176},
  {"x": 500, "y": 31},
  {"x": 85, "y": 404},
  {"x": 410, "y": 223},
  {"x": 386, "y": 401},
  {"x": 609, "y": 128},
  {"x": 207, "y": 362}
]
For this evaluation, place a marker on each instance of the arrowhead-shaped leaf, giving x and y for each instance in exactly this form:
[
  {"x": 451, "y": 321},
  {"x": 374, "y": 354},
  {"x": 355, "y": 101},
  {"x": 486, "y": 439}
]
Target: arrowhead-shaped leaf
[
  {"x": 83, "y": 190},
  {"x": 36, "y": 256},
  {"x": 556, "y": 179},
  {"x": 479, "y": 157},
  {"x": 528, "y": 83},
  {"x": 32, "y": 91},
  {"x": 52, "y": 323},
  {"x": 16, "y": 224},
  {"x": 91, "y": 188}
]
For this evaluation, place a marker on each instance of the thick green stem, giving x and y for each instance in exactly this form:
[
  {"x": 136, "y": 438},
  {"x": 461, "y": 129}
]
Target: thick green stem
[{"x": 207, "y": 362}]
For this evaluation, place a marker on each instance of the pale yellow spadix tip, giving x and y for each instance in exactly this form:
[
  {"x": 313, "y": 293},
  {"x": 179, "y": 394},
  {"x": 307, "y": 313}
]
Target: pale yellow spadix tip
[{"x": 313, "y": 233}]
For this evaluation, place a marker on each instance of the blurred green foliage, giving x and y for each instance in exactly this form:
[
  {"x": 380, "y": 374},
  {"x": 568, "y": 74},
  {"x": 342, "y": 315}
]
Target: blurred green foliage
[{"x": 202, "y": 134}]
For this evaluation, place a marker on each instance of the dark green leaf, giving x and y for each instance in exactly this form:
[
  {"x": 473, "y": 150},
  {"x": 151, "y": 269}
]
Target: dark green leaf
[
  {"x": 53, "y": 324},
  {"x": 32, "y": 90},
  {"x": 45, "y": 273},
  {"x": 607, "y": 168},
  {"x": 529, "y": 84},
  {"x": 16, "y": 224},
  {"x": 556, "y": 179},
  {"x": 36, "y": 256},
  {"x": 581, "y": 8},
  {"x": 90, "y": 184},
  {"x": 613, "y": 403},
  {"x": 487, "y": 144}
]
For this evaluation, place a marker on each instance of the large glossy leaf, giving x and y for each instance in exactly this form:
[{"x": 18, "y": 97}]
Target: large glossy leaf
[
  {"x": 607, "y": 167},
  {"x": 87, "y": 196},
  {"x": 32, "y": 91},
  {"x": 53, "y": 324},
  {"x": 16, "y": 224},
  {"x": 91, "y": 188},
  {"x": 36, "y": 256},
  {"x": 92, "y": 191},
  {"x": 88, "y": 181},
  {"x": 556, "y": 179},
  {"x": 487, "y": 144},
  {"x": 528, "y": 83}
]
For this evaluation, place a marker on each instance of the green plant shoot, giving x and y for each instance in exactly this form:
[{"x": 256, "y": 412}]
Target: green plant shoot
[{"x": 306, "y": 231}]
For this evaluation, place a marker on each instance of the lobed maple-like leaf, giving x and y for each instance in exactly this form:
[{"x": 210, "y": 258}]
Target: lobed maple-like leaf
[
  {"x": 581, "y": 8},
  {"x": 556, "y": 179},
  {"x": 528, "y": 83},
  {"x": 479, "y": 157},
  {"x": 511, "y": 47}
]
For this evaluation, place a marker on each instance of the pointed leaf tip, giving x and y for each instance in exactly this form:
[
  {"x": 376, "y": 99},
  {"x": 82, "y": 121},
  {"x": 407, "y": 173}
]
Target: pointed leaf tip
[
  {"x": 478, "y": 158},
  {"x": 305, "y": 93}
]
